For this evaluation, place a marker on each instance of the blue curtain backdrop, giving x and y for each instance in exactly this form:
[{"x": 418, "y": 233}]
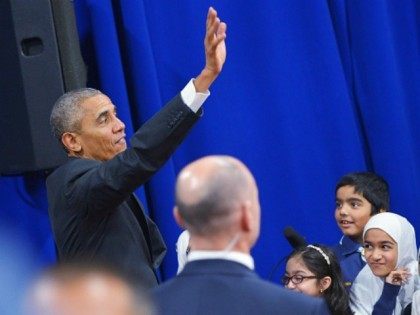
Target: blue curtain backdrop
[{"x": 311, "y": 90}]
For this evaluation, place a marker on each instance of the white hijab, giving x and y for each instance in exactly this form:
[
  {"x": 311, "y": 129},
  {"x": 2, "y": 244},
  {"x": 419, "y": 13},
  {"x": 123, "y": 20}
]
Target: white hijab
[
  {"x": 367, "y": 288},
  {"x": 415, "y": 308}
]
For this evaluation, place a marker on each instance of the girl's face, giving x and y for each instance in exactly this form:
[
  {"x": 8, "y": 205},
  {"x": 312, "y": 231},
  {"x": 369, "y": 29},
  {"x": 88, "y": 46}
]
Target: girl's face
[
  {"x": 296, "y": 271},
  {"x": 381, "y": 252}
]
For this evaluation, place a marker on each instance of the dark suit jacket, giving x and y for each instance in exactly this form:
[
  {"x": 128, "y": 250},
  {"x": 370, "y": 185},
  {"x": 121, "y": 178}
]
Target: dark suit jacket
[
  {"x": 93, "y": 211},
  {"x": 226, "y": 287}
]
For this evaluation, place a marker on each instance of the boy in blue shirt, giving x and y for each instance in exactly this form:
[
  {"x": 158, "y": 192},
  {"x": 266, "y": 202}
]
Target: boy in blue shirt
[{"x": 358, "y": 197}]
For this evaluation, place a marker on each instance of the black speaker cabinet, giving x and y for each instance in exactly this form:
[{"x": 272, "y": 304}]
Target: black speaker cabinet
[{"x": 40, "y": 59}]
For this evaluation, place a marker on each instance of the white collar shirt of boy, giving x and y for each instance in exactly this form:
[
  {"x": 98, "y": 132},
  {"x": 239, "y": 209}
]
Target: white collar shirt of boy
[{"x": 361, "y": 250}]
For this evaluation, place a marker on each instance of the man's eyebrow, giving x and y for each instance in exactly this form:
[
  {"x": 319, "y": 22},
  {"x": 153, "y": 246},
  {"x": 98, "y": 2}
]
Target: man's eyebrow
[
  {"x": 102, "y": 114},
  {"x": 105, "y": 113}
]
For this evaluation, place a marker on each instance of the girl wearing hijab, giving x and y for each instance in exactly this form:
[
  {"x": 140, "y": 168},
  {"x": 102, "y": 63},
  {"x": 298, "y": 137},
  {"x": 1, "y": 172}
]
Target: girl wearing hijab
[{"x": 387, "y": 283}]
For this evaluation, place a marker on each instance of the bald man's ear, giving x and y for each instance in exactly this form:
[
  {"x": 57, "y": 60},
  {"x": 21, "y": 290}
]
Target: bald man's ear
[
  {"x": 71, "y": 142},
  {"x": 178, "y": 218},
  {"x": 247, "y": 218}
]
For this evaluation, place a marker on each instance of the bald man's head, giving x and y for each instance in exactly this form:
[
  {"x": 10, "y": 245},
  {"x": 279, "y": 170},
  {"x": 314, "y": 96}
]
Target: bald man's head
[{"x": 211, "y": 193}]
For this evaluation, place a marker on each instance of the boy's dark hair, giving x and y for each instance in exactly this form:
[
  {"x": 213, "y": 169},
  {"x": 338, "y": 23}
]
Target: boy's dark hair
[
  {"x": 336, "y": 295},
  {"x": 371, "y": 186}
]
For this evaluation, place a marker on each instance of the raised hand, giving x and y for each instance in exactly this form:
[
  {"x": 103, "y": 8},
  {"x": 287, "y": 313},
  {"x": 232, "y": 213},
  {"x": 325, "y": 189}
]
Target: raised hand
[
  {"x": 399, "y": 276},
  {"x": 215, "y": 51},
  {"x": 214, "y": 42}
]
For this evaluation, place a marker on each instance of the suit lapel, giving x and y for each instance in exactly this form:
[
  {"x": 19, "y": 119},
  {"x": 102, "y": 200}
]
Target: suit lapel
[
  {"x": 156, "y": 246},
  {"x": 135, "y": 206}
]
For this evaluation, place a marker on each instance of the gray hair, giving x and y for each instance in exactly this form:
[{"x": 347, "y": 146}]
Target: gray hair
[
  {"x": 66, "y": 114},
  {"x": 225, "y": 187}
]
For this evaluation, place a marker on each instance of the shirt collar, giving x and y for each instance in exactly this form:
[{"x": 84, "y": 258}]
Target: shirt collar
[
  {"x": 238, "y": 257},
  {"x": 349, "y": 246}
]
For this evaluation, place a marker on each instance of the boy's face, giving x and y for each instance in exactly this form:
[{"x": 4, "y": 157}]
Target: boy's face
[{"x": 352, "y": 212}]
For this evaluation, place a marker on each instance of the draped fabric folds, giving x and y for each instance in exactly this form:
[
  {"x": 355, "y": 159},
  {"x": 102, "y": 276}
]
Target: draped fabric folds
[{"x": 311, "y": 90}]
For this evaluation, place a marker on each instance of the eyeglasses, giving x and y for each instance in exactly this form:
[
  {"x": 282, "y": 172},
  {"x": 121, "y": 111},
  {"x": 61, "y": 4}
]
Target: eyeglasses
[{"x": 296, "y": 279}]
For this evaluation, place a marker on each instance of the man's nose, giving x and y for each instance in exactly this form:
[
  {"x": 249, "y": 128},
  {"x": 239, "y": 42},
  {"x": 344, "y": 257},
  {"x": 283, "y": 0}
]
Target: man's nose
[{"x": 119, "y": 125}]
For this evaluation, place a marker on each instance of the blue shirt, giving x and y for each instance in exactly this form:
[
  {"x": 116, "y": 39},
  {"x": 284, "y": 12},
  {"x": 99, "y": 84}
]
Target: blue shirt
[{"x": 350, "y": 259}]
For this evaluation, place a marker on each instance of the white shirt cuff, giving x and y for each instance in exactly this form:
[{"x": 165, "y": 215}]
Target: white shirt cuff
[{"x": 193, "y": 99}]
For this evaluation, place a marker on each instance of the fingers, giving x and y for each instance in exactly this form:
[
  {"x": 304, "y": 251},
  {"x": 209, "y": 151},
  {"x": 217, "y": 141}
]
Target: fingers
[
  {"x": 214, "y": 45},
  {"x": 399, "y": 276},
  {"x": 211, "y": 16},
  {"x": 405, "y": 275},
  {"x": 221, "y": 32},
  {"x": 212, "y": 29},
  {"x": 215, "y": 30}
]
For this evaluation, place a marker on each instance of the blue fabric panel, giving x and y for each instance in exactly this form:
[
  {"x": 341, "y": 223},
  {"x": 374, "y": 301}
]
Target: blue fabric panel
[{"x": 311, "y": 90}]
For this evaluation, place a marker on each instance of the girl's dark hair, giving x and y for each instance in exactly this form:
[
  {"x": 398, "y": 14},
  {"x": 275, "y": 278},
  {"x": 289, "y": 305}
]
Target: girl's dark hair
[{"x": 336, "y": 295}]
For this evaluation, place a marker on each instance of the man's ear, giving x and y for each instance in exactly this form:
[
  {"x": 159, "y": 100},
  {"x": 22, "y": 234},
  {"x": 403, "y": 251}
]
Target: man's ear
[
  {"x": 381, "y": 210},
  {"x": 178, "y": 218},
  {"x": 247, "y": 218},
  {"x": 71, "y": 142}
]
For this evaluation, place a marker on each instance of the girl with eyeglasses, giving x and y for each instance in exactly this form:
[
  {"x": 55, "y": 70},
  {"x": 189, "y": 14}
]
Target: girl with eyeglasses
[{"x": 314, "y": 270}]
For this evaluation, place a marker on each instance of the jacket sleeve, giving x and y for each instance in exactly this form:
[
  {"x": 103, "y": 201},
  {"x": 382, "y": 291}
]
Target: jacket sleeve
[
  {"x": 109, "y": 183},
  {"x": 386, "y": 303}
]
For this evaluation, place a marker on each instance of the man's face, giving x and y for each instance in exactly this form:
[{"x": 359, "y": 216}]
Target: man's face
[
  {"x": 87, "y": 295},
  {"x": 352, "y": 212},
  {"x": 102, "y": 134}
]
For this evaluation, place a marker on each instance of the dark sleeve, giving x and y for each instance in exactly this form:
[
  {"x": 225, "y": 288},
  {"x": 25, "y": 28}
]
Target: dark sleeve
[
  {"x": 407, "y": 310},
  {"x": 386, "y": 303},
  {"x": 108, "y": 184}
]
